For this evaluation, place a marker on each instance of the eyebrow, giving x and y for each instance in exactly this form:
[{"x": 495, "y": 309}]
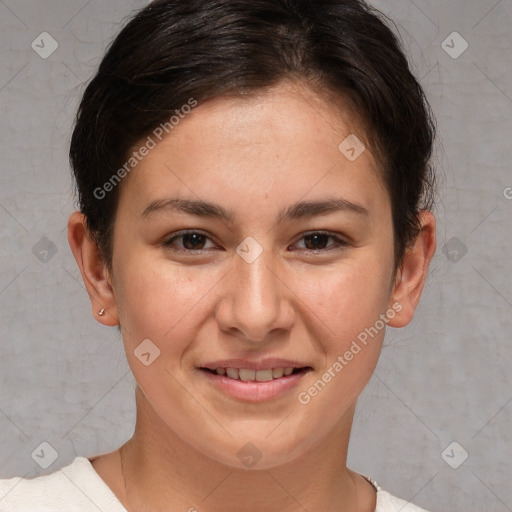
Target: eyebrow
[{"x": 296, "y": 211}]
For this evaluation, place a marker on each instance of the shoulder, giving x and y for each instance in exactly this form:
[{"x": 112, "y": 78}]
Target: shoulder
[
  {"x": 73, "y": 488},
  {"x": 388, "y": 503}
]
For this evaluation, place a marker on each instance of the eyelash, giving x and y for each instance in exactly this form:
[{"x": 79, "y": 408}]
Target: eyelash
[{"x": 339, "y": 243}]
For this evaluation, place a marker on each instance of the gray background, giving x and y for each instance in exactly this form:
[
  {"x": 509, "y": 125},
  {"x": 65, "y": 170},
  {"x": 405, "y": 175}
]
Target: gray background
[{"x": 444, "y": 378}]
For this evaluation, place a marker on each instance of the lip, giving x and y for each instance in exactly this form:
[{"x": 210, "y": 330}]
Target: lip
[
  {"x": 263, "y": 364},
  {"x": 253, "y": 391}
]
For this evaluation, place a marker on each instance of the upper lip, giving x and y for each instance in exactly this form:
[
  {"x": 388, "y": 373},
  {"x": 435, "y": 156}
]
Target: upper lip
[{"x": 264, "y": 364}]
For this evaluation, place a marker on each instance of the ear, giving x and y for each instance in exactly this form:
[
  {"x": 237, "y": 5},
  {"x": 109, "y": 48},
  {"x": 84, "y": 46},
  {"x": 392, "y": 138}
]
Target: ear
[
  {"x": 412, "y": 273},
  {"x": 96, "y": 277}
]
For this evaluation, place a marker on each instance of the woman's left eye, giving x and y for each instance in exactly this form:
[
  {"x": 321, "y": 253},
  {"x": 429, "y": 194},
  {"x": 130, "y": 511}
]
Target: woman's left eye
[
  {"x": 320, "y": 238},
  {"x": 194, "y": 241}
]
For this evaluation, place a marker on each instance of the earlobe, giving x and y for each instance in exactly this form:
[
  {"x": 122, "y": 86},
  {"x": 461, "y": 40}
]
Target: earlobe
[
  {"x": 91, "y": 263},
  {"x": 412, "y": 273}
]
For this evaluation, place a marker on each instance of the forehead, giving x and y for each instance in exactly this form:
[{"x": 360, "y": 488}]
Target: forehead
[
  {"x": 281, "y": 142},
  {"x": 289, "y": 115}
]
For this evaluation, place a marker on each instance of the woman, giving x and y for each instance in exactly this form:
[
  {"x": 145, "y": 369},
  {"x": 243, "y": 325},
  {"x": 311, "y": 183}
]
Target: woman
[{"x": 254, "y": 188}]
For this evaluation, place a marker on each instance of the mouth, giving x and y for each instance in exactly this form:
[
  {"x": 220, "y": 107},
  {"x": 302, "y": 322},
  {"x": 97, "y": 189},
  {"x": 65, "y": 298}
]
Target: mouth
[
  {"x": 260, "y": 382},
  {"x": 251, "y": 375}
]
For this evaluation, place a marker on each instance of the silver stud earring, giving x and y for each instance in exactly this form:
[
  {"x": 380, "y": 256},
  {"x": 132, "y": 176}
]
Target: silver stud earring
[{"x": 101, "y": 312}]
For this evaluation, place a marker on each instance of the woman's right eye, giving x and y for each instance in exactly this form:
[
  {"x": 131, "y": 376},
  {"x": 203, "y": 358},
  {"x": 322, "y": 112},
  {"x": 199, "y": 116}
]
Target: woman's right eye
[{"x": 191, "y": 241}]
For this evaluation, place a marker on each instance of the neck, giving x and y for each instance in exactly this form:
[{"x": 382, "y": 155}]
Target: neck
[{"x": 160, "y": 470}]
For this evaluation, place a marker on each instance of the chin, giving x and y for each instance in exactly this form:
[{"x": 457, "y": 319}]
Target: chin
[{"x": 258, "y": 453}]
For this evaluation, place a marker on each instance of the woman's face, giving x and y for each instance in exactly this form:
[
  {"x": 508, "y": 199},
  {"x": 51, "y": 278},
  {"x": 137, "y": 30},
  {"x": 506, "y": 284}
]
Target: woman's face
[{"x": 297, "y": 274}]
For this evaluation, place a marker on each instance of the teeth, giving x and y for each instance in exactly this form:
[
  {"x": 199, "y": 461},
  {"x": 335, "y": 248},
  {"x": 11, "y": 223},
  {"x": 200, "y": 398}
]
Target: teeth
[
  {"x": 232, "y": 373},
  {"x": 245, "y": 374},
  {"x": 264, "y": 375},
  {"x": 277, "y": 372}
]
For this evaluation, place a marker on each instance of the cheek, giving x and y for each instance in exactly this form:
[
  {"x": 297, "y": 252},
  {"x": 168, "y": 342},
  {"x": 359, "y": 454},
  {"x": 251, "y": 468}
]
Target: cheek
[
  {"x": 160, "y": 301},
  {"x": 164, "y": 304},
  {"x": 346, "y": 310},
  {"x": 347, "y": 298}
]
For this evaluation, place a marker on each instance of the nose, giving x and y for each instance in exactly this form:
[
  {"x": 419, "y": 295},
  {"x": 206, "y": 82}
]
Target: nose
[{"x": 256, "y": 302}]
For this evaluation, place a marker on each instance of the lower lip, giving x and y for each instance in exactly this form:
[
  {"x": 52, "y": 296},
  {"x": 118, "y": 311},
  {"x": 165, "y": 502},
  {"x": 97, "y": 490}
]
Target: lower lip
[{"x": 254, "y": 391}]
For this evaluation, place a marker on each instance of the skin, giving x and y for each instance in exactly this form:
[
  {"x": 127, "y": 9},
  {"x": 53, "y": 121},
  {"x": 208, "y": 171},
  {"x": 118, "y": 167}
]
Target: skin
[{"x": 254, "y": 155}]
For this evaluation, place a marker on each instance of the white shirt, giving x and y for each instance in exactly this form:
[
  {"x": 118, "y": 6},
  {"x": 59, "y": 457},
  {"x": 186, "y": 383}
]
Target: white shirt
[{"x": 78, "y": 488}]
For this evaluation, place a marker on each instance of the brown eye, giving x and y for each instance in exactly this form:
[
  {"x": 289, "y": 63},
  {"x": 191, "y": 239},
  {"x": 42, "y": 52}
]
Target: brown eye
[
  {"x": 318, "y": 241},
  {"x": 190, "y": 241},
  {"x": 193, "y": 241}
]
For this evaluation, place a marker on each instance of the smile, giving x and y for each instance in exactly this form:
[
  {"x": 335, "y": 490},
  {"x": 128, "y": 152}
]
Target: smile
[
  {"x": 248, "y": 375},
  {"x": 254, "y": 385}
]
